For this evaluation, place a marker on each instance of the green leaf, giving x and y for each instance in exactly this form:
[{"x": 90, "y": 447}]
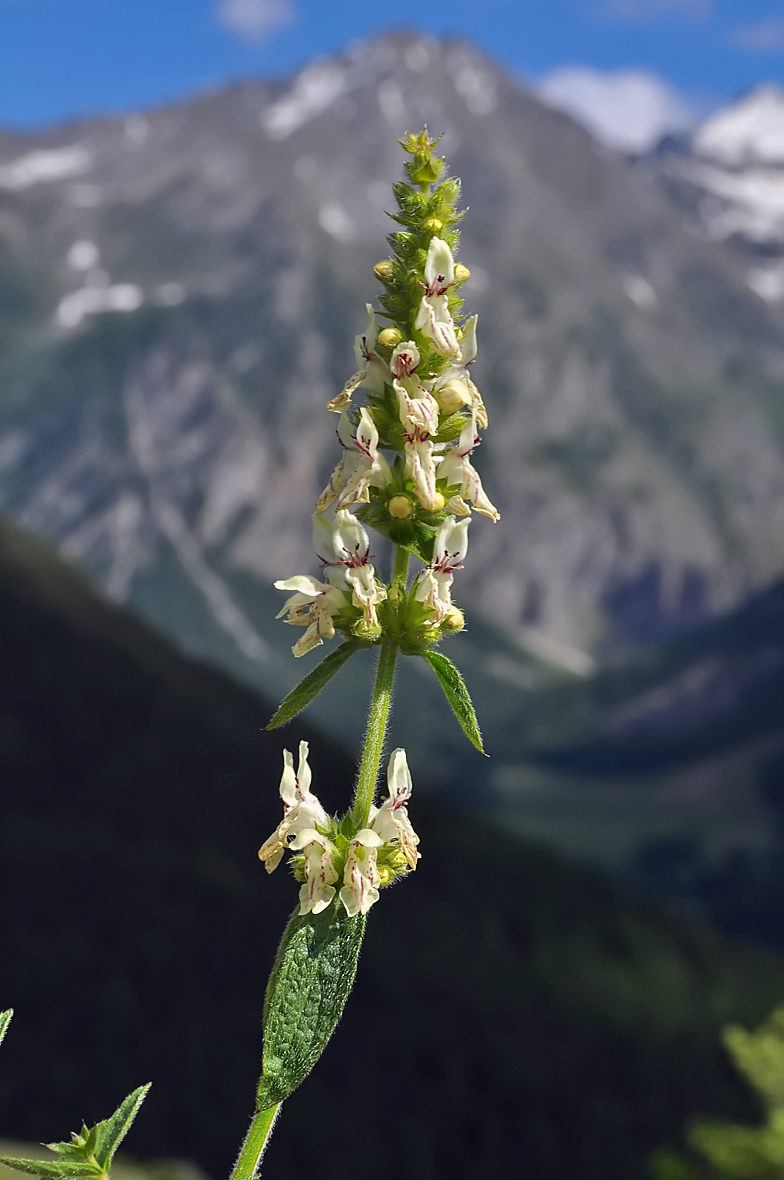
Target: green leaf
[
  {"x": 88, "y": 1153},
  {"x": 52, "y": 1169},
  {"x": 5, "y": 1020},
  {"x": 110, "y": 1133},
  {"x": 306, "y": 994},
  {"x": 313, "y": 683},
  {"x": 457, "y": 694}
]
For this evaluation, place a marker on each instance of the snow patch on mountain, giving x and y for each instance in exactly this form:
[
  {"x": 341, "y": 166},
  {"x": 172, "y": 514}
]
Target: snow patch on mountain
[
  {"x": 748, "y": 132},
  {"x": 313, "y": 91},
  {"x": 45, "y": 165}
]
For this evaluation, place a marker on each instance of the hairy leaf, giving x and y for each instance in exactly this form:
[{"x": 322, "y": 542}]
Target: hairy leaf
[
  {"x": 5, "y": 1020},
  {"x": 88, "y": 1153},
  {"x": 111, "y": 1132},
  {"x": 52, "y": 1169},
  {"x": 306, "y": 994},
  {"x": 457, "y": 694},
  {"x": 313, "y": 683}
]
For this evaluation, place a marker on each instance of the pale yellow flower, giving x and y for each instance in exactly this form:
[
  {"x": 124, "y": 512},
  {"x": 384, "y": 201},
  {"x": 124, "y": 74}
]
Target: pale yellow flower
[
  {"x": 301, "y": 808},
  {"x": 361, "y": 876},
  {"x": 362, "y": 466},
  {"x": 434, "y": 319},
  {"x": 320, "y": 875},
  {"x": 390, "y": 821}
]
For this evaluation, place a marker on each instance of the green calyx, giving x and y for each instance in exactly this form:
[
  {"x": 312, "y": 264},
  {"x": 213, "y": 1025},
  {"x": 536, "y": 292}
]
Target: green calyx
[
  {"x": 390, "y": 861},
  {"x": 403, "y": 619}
]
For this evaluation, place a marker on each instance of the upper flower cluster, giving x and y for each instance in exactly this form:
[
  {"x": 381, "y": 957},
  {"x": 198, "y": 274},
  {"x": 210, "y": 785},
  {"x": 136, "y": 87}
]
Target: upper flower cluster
[
  {"x": 406, "y": 468},
  {"x": 330, "y": 851}
]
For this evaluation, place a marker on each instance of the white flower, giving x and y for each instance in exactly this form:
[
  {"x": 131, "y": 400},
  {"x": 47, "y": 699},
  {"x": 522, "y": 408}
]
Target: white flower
[
  {"x": 371, "y": 370},
  {"x": 454, "y": 388},
  {"x": 434, "y": 319},
  {"x": 390, "y": 821},
  {"x": 344, "y": 548},
  {"x": 434, "y": 584},
  {"x": 418, "y": 411},
  {"x": 320, "y": 875},
  {"x": 301, "y": 808},
  {"x": 361, "y": 876},
  {"x": 361, "y": 467},
  {"x": 456, "y": 468},
  {"x": 313, "y": 605}
]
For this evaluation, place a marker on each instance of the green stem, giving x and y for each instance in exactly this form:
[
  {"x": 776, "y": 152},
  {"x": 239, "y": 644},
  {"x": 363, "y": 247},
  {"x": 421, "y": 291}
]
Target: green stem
[
  {"x": 255, "y": 1144},
  {"x": 400, "y": 566},
  {"x": 375, "y": 733}
]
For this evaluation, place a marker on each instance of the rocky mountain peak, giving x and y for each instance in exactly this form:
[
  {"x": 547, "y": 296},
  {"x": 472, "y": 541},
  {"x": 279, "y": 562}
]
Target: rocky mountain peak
[{"x": 180, "y": 289}]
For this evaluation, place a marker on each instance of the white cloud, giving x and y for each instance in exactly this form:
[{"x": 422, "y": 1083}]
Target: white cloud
[
  {"x": 765, "y": 37},
  {"x": 629, "y": 110},
  {"x": 641, "y": 10},
  {"x": 255, "y": 19}
]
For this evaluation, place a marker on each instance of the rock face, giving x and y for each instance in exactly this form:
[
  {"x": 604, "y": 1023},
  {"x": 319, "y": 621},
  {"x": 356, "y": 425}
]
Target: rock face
[{"x": 179, "y": 292}]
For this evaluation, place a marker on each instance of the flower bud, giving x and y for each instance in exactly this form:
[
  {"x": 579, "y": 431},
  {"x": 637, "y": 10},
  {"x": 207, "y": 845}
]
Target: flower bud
[
  {"x": 451, "y": 396},
  {"x": 438, "y": 503},
  {"x": 400, "y": 507},
  {"x": 462, "y": 273},
  {"x": 425, "y": 167},
  {"x": 454, "y": 620},
  {"x": 389, "y": 337},
  {"x": 434, "y": 225},
  {"x": 384, "y": 270}
]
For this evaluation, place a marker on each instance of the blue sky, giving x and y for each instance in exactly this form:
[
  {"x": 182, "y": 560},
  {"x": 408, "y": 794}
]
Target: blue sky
[{"x": 63, "y": 58}]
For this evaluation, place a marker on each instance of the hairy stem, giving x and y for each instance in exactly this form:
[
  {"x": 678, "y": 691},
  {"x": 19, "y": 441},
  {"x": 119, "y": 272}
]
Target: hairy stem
[
  {"x": 375, "y": 733},
  {"x": 256, "y": 1140},
  {"x": 400, "y": 566}
]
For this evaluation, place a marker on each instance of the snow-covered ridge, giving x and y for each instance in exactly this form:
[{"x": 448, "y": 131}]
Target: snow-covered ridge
[
  {"x": 730, "y": 177},
  {"x": 748, "y": 132}
]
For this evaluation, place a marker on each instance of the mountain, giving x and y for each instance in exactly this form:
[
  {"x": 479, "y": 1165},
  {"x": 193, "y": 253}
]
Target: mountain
[
  {"x": 728, "y": 177},
  {"x": 507, "y": 1006},
  {"x": 666, "y": 768},
  {"x": 179, "y": 291}
]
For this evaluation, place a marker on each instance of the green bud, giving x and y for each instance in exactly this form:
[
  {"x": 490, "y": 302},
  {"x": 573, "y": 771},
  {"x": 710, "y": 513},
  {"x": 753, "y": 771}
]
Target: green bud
[
  {"x": 424, "y": 168},
  {"x": 384, "y": 270}
]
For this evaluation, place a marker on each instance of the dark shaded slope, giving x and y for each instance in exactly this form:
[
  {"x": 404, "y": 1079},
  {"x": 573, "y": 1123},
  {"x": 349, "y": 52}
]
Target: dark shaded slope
[
  {"x": 510, "y": 1011},
  {"x": 719, "y": 688}
]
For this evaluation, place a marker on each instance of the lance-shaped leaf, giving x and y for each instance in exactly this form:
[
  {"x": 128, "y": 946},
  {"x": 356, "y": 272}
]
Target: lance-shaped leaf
[
  {"x": 90, "y": 1151},
  {"x": 306, "y": 994},
  {"x": 52, "y": 1169},
  {"x": 5, "y": 1020},
  {"x": 111, "y": 1132},
  {"x": 313, "y": 683},
  {"x": 457, "y": 694}
]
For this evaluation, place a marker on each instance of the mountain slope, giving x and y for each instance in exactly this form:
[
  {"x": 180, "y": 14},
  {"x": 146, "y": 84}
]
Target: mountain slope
[
  {"x": 180, "y": 290},
  {"x": 514, "y": 1006}
]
